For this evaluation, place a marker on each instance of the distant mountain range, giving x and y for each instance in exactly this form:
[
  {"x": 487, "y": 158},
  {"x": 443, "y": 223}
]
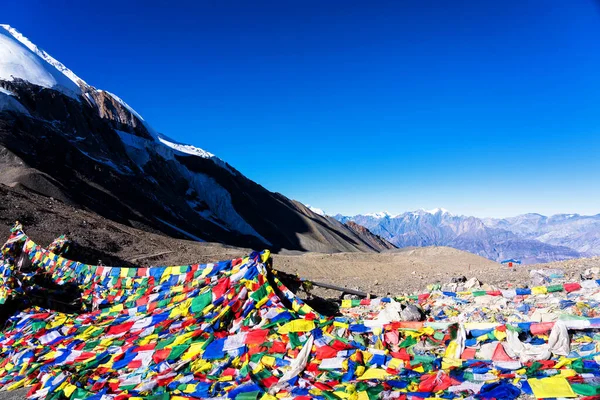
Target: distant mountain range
[
  {"x": 578, "y": 232},
  {"x": 531, "y": 238}
]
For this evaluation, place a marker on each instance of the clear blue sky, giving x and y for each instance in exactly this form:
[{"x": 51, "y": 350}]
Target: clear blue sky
[{"x": 486, "y": 108}]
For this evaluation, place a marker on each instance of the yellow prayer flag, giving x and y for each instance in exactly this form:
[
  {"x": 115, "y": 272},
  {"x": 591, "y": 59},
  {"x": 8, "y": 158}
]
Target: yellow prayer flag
[
  {"x": 69, "y": 389},
  {"x": 363, "y": 395},
  {"x": 269, "y": 361},
  {"x": 395, "y": 363},
  {"x": 554, "y": 386},
  {"x": 374, "y": 373},
  {"x": 297, "y": 325},
  {"x": 567, "y": 373},
  {"x": 341, "y": 324},
  {"x": 500, "y": 335},
  {"x": 539, "y": 290}
]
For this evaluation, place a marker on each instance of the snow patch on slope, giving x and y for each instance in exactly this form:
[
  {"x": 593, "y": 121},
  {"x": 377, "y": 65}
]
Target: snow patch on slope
[
  {"x": 186, "y": 148},
  {"x": 207, "y": 214},
  {"x": 194, "y": 151},
  {"x": 219, "y": 202},
  {"x": 207, "y": 189},
  {"x": 8, "y": 102},
  {"x": 136, "y": 148},
  {"x": 21, "y": 59}
]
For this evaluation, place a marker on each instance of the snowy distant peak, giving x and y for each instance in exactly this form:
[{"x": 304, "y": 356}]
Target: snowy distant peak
[
  {"x": 423, "y": 212},
  {"x": 316, "y": 210},
  {"x": 380, "y": 215},
  {"x": 21, "y": 59},
  {"x": 385, "y": 214},
  {"x": 567, "y": 216},
  {"x": 437, "y": 211}
]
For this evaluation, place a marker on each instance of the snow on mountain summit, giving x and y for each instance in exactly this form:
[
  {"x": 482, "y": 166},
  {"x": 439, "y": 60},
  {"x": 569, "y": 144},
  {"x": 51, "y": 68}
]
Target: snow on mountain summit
[
  {"x": 381, "y": 214},
  {"x": 437, "y": 210},
  {"x": 21, "y": 59}
]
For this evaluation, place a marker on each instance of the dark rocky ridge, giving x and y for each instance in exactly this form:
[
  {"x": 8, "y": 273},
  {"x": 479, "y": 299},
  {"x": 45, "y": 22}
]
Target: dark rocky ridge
[{"x": 375, "y": 241}]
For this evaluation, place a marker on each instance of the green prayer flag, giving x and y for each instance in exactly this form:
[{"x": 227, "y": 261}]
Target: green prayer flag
[
  {"x": 158, "y": 396},
  {"x": 533, "y": 368},
  {"x": 177, "y": 351},
  {"x": 165, "y": 342},
  {"x": 247, "y": 395},
  {"x": 80, "y": 394},
  {"x": 260, "y": 293},
  {"x": 409, "y": 341},
  {"x": 555, "y": 288},
  {"x": 201, "y": 301},
  {"x": 294, "y": 340},
  {"x": 585, "y": 389},
  {"x": 329, "y": 395}
]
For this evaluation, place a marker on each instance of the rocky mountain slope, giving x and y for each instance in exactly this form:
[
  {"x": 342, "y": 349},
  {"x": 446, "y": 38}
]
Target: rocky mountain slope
[
  {"x": 440, "y": 228},
  {"x": 63, "y": 138},
  {"x": 375, "y": 241}
]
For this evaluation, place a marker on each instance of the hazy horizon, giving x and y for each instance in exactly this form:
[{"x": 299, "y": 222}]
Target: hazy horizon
[{"x": 450, "y": 211}]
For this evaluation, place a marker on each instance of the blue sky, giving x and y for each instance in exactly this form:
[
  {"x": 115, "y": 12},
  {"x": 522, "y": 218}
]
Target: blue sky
[{"x": 483, "y": 108}]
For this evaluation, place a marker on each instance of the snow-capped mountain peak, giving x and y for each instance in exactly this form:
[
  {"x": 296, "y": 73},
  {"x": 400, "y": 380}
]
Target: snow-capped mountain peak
[
  {"x": 21, "y": 59},
  {"x": 379, "y": 215},
  {"x": 421, "y": 211},
  {"x": 437, "y": 211}
]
